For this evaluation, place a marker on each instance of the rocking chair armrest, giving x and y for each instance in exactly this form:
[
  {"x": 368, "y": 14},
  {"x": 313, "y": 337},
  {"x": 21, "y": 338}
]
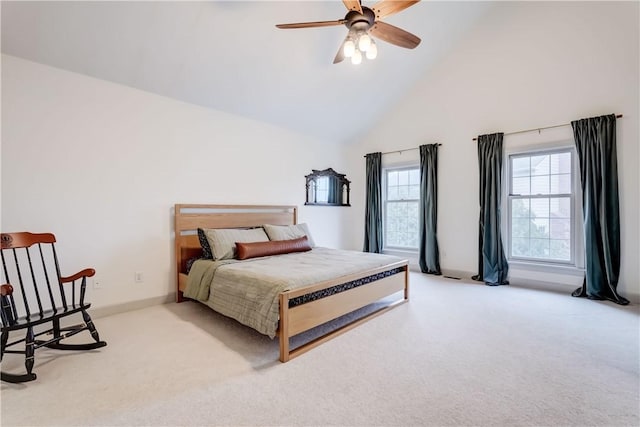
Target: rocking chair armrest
[
  {"x": 6, "y": 290},
  {"x": 87, "y": 272}
]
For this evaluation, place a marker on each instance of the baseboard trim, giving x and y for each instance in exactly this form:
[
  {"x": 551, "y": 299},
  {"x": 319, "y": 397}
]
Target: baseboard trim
[
  {"x": 110, "y": 310},
  {"x": 533, "y": 284}
]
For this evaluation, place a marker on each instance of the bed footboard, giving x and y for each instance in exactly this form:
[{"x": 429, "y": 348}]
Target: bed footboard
[{"x": 367, "y": 289}]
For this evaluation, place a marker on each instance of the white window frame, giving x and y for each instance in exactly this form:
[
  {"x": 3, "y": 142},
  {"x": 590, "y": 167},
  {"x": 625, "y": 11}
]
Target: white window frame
[
  {"x": 385, "y": 171},
  {"x": 576, "y": 264}
]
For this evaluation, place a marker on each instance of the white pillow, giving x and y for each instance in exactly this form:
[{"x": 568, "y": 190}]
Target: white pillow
[
  {"x": 223, "y": 240},
  {"x": 288, "y": 232}
]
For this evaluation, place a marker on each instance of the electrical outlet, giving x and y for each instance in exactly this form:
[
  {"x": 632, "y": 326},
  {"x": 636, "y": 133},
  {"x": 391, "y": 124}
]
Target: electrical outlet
[
  {"x": 138, "y": 277},
  {"x": 97, "y": 284}
]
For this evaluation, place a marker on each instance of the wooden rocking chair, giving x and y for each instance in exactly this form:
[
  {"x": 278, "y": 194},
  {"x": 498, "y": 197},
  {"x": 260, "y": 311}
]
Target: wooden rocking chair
[{"x": 40, "y": 299}]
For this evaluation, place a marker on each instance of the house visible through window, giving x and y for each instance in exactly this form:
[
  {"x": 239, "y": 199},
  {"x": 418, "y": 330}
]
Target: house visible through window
[
  {"x": 541, "y": 206},
  {"x": 401, "y": 199}
]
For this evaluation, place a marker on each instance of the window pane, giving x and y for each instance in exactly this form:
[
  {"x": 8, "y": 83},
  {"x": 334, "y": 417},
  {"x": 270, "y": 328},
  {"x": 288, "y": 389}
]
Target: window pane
[
  {"x": 393, "y": 193},
  {"x": 414, "y": 192},
  {"x": 540, "y": 208},
  {"x": 519, "y": 247},
  {"x": 392, "y": 224},
  {"x": 520, "y": 166},
  {"x": 560, "y": 250},
  {"x": 412, "y": 226},
  {"x": 539, "y": 248},
  {"x": 413, "y": 210},
  {"x": 521, "y": 186},
  {"x": 402, "y": 219},
  {"x": 540, "y": 184},
  {"x": 540, "y": 227},
  {"x": 392, "y": 178},
  {"x": 414, "y": 177},
  {"x": 540, "y": 165},
  {"x": 561, "y": 184},
  {"x": 560, "y": 228},
  {"x": 561, "y": 163},
  {"x": 520, "y": 227},
  {"x": 390, "y": 209},
  {"x": 403, "y": 177},
  {"x": 520, "y": 208},
  {"x": 560, "y": 207},
  {"x": 403, "y": 192},
  {"x": 402, "y": 226}
]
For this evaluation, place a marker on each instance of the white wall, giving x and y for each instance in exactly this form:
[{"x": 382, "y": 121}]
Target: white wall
[
  {"x": 101, "y": 165},
  {"x": 527, "y": 65}
]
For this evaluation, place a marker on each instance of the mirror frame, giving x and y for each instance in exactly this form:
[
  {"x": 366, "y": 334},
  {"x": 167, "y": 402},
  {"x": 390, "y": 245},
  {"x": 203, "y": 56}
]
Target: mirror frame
[{"x": 344, "y": 184}]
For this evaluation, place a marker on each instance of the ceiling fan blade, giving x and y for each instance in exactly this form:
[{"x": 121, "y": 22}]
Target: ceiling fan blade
[
  {"x": 389, "y": 7},
  {"x": 353, "y": 5},
  {"x": 340, "y": 55},
  {"x": 312, "y": 24},
  {"x": 394, "y": 35}
]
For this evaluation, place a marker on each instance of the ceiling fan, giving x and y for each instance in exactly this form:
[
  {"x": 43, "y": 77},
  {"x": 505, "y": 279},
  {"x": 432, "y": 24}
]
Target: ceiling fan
[{"x": 364, "y": 22}]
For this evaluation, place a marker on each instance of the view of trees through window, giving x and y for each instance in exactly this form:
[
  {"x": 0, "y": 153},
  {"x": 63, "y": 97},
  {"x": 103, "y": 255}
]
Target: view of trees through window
[
  {"x": 402, "y": 196},
  {"x": 540, "y": 206}
]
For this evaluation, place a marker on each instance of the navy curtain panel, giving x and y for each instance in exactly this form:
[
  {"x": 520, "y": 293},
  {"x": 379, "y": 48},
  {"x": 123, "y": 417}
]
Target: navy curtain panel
[
  {"x": 429, "y": 254},
  {"x": 595, "y": 140},
  {"x": 492, "y": 263},
  {"x": 373, "y": 206}
]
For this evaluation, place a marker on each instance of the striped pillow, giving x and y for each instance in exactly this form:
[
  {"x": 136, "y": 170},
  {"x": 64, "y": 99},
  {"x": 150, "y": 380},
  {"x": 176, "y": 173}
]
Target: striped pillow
[
  {"x": 223, "y": 240},
  {"x": 288, "y": 232}
]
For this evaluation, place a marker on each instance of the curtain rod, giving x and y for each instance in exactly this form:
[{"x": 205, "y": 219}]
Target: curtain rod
[
  {"x": 545, "y": 127},
  {"x": 406, "y": 149}
]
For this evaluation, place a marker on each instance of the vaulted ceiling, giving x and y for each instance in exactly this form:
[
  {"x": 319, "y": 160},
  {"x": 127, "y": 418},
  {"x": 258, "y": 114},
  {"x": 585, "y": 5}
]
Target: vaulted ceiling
[{"x": 229, "y": 56}]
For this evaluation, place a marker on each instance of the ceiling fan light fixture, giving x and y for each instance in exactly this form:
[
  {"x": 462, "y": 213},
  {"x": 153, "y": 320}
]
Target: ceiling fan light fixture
[
  {"x": 349, "y": 48},
  {"x": 363, "y": 22},
  {"x": 356, "y": 58}
]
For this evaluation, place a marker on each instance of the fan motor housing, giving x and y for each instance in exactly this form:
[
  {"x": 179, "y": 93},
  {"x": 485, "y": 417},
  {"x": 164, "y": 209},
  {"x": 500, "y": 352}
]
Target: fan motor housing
[{"x": 360, "y": 21}]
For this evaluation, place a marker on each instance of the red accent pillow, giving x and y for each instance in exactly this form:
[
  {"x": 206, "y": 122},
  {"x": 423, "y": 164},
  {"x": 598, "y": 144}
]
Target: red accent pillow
[{"x": 273, "y": 247}]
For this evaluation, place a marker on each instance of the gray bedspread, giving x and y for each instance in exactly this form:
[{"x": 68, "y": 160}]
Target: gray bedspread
[{"x": 248, "y": 290}]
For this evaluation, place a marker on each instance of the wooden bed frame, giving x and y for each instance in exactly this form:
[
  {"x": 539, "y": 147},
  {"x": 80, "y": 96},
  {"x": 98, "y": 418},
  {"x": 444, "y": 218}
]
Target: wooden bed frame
[{"x": 295, "y": 320}]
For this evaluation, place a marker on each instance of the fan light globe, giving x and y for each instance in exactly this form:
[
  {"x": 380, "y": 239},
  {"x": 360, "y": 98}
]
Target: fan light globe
[
  {"x": 349, "y": 48},
  {"x": 372, "y": 52},
  {"x": 356, "y": 58},
  {"x": 364, "y": 42}
]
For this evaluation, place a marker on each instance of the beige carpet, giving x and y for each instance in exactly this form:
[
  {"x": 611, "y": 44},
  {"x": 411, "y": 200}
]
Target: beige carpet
[{"x": 457, "y": 354}]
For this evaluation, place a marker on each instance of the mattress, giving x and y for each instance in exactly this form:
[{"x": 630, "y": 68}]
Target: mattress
[{"x": 248, "y": 291}]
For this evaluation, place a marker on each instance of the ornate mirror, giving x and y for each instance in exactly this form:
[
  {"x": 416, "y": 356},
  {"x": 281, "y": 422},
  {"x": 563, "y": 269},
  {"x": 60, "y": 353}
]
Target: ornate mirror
[{"x": 327, "y": 188}]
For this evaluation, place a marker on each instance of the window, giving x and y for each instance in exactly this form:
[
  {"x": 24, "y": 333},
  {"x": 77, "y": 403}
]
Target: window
[
  {"x": 541, "y": 217},
  {"x": 401, "y": 200}
]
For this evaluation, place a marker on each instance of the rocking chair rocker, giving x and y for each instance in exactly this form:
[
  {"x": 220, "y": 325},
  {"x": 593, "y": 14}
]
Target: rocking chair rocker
[{"x": 39, "y": 301}]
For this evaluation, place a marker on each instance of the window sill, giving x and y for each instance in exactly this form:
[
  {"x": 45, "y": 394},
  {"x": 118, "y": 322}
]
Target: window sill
[
  {"x": 546, "y": 268},
  {"x": 401, "y": 252}
]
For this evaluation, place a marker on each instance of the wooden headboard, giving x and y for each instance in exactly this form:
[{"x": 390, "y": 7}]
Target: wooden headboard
[{"x": 188, "y": 218}]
